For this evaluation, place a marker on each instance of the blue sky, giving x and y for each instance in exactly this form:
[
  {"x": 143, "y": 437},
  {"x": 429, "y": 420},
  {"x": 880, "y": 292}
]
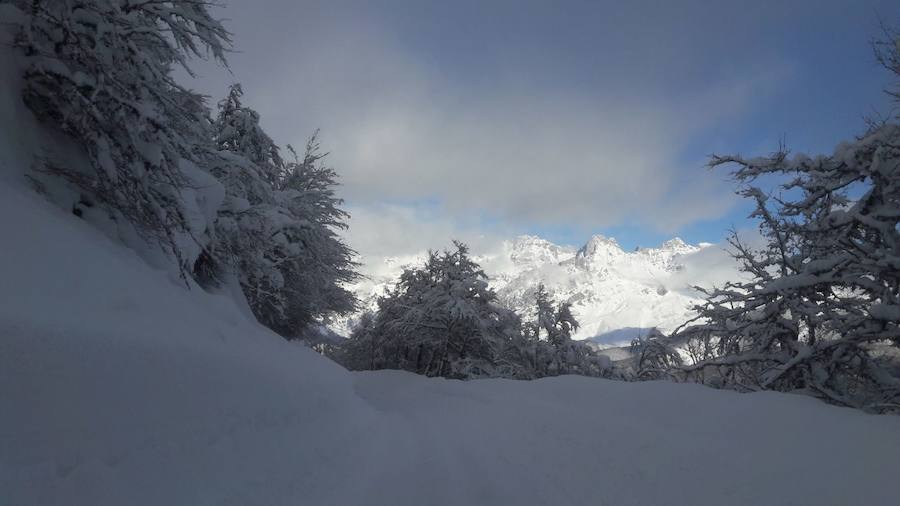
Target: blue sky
[{"x": 483, "y": 120}]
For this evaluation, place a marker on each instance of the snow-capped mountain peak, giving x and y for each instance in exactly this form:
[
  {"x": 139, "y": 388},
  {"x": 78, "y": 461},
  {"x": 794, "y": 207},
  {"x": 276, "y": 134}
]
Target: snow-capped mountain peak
[
  {"x": 676, "y": 244},
  {"x": 600, "y": 246},
  {"x": 610, "y": 289},
  {"x": 528, "y": 252}
]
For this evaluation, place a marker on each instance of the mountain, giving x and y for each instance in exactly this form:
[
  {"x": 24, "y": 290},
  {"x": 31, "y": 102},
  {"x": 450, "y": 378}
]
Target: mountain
[{"x": 616, "y": 295}]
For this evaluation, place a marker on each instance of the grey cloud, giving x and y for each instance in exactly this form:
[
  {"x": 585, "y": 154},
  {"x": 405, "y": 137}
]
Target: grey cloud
[
  {"x": 542, "y": 156},
  {"x": 401, "y": 127}
]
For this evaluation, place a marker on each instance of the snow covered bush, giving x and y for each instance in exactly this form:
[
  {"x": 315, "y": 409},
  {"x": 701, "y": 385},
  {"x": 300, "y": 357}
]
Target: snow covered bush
[{"x": 101, "y": 71}]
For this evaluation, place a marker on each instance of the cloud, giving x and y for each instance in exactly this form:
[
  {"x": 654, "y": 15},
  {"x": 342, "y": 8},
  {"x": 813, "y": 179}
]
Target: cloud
[
  {"x": 712, "y": 266},
  {"x": 505, "y": 125},
  {"x": 382, "y": 231},
  {"x": 402, "y": 125},
  {"x": 524, "y": 156}
]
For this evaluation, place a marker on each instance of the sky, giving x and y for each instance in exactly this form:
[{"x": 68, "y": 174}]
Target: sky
[{"x": 483, "y": 120}]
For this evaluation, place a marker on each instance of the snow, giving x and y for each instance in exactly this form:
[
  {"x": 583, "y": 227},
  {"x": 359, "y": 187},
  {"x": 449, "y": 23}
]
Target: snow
[
  {"x": 611, "y": 290},
  {"x": 120, "y": 386}
]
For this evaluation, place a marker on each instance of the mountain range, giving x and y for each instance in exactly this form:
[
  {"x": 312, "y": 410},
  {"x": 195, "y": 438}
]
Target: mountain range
[{"x": 616, "y": 295}]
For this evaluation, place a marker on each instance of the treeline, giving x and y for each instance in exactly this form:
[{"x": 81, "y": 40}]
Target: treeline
[
  {"x": 212, "y": 191},
  {"x": 442, "y": 319}
]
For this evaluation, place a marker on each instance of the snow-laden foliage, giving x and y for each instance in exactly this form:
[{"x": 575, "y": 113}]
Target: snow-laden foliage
[
  {"x": 653, "y": 357},
  {"x": 439, "y": 320},
  {"x": 279, "y": 224},
  {"x": 101, "y": 71},
  {"x": 213, "y": 193},
  {"x": 820, "y": 310},
  {"x": 557, "y": 324},
  {"x": 237, "y": 129},
  {"x": 552, "y": 350},
  {"x": 443, "y": 320}
]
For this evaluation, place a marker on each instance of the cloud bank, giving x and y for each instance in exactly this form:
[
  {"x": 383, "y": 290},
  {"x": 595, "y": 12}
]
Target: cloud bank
[{"x": 472, "y": 120}]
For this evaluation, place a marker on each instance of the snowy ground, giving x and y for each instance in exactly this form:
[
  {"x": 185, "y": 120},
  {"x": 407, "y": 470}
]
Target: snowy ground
[{"x": 120, "y": 387}]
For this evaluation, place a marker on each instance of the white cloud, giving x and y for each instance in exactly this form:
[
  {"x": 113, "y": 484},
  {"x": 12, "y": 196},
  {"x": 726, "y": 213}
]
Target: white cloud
[
  {"x": 509, "y": 146},
  {"x": 712, "y": 266},
  {"x": 400, "y": 128},
  {"x": 386, "y": 230}
]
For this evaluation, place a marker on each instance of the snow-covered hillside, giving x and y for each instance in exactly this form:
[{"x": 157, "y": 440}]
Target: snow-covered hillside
[
  {"x": 616, "y": 295},
  {"x": 120, "y": 386}
]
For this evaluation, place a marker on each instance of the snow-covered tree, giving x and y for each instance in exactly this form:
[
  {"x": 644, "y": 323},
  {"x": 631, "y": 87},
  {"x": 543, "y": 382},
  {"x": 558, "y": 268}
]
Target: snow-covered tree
[
  {"x": 545, "y": 314},
  {"x": 237, "y": 129},
  {"x": 654, "y": 356},
  {"x": 440, "y": 320},
  {"x": 101, "y": 71},
  {"x": 820, "y": 308},
  {"x": 306, "y": 189},
  {"x": 278, "y": 226},
  {"x": 553, "y": 350}
]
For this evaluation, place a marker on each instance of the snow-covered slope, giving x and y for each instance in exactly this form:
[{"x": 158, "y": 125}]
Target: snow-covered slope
[
  {"x": 616, "y": 295},
  {"x": 119, "y": 386}
]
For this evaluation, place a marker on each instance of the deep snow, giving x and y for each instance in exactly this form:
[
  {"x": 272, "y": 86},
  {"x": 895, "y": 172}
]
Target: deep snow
[{"x": 120, "y": 386}]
